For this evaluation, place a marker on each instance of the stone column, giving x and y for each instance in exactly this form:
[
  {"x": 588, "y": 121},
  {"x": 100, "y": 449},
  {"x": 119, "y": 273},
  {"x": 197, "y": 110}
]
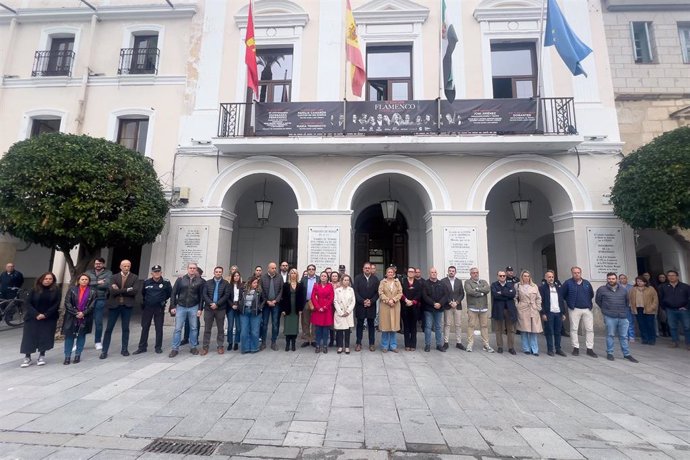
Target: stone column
[
  {"x": 330, "y": 222},
  {"x": 201, "y": 235}
]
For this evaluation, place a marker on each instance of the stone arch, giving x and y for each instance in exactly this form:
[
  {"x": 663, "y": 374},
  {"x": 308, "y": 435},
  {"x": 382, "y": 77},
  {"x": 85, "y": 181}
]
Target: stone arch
[
  {"x": 284, "y": 170},
  {"x": 564, "y": 189},
  {"x": 435, "y": 195}
]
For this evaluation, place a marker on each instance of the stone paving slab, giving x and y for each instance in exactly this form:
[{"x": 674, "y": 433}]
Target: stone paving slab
[{"x": 364, "y": 405}]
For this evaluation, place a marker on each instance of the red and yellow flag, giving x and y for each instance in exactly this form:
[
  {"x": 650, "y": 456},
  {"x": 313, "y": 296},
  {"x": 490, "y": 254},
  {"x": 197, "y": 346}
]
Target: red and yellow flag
[
  {"x": 250, "y": 55},
  {"x": 354, "y": 54}
]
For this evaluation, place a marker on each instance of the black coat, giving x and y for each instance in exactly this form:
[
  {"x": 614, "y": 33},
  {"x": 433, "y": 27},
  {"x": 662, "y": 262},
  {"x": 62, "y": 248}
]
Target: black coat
[
  {"x": 365, "y": 289},
  {"x": 413, "y": 292},
  {"x": 124, "y": 295},
  {"x": 224, "y": 294},
  {"x": 503, "y": 298},
  {"x": 70, "y": 325},
  {"x": 456, "y": 294},
  {"x": 300, "y": 299},
  {"x": 545, "y": 293},
  {"x": 40, "y": 334},
  {"x": 434, "y": 292}
]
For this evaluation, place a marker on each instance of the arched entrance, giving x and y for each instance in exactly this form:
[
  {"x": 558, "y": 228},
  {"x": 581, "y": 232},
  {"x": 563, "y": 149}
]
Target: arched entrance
[
  {"x": 254, "y": 242},
  {"x": 380, "y": 242},
  {"x": 402, "y": 242},
  {"x": 530, "y": 245}
]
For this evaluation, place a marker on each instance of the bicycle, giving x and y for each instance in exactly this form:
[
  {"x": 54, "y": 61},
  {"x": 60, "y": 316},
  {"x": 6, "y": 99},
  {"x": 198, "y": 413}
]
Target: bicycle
[{"x": 12, "y": 310}]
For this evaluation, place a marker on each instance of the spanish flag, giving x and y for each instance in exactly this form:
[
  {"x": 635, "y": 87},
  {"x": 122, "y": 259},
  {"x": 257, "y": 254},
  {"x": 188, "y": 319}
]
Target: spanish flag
[
  {"x": 250, "y": 55},
  {"x": 354, "y": 54}
]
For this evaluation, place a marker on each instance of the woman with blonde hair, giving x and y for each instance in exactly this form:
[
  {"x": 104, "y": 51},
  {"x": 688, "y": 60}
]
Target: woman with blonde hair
[
  {"x": 390, "y": 293},
  {"x": 529, "y": 308},
  {"x": 291, "y": 304}
]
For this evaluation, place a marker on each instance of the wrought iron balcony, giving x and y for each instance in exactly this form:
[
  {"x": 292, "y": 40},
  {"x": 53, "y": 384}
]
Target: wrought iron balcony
[
  {"x": 138, "y": 61},
  {"x": 53, "y": 63},
  {"x": 494, "y": 117}
]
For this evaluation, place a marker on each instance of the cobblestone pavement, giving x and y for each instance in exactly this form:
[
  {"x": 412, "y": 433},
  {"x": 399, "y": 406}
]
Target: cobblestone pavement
[{"x": 278, "y": 404}]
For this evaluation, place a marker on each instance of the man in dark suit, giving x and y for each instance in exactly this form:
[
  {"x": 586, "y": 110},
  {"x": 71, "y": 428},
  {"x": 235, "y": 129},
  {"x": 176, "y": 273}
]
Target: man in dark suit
[
  {"x": 434, "y": 297},
  {"x": 366, "y": 287},
  {"x": 123, "y": 291},
  {"x": 453, "y": 308},
  {"x": 216, "y": 295},
  {"x": 308, "y": 282}
]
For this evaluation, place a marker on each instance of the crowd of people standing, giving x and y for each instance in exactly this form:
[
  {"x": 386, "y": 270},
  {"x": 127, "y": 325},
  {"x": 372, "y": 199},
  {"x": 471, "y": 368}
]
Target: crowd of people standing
[{"x": 324, "y": 310}]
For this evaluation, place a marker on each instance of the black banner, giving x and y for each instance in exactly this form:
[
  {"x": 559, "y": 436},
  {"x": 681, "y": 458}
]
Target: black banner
[
  {"x": 392, "y": 117},
  {"x": 299, "y": 118},
  {"x": 509, "y": 116}
]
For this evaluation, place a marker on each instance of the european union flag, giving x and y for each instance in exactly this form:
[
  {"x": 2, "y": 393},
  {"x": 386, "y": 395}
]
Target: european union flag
[{"x": 569, "y": 47}]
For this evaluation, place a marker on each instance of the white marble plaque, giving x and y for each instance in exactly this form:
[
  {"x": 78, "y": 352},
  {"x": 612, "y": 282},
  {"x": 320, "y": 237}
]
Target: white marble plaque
[
  {"x": 192, "y": 243},
  {"x": 324, "y": 247},
  {"x": 606, "y": 254},
  {"x": 460, "y": 249}
]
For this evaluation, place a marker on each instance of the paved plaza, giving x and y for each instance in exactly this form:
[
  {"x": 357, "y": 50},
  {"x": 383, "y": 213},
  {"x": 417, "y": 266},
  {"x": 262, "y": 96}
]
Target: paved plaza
[{"x": 365, "y": 405}]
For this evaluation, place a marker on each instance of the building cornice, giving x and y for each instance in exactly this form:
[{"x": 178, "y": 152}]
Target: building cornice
[
  {"x": 104, "y": 13},
  {"x": 323, "y": 212},
  {"x": 431, "y": 214},
  {"x": 583, "y": 215},
  {"x": 390, "y": 12},
  {"x": 118, "y": 80},
  {"x": 508, "y": 14},
  {"x": 202, "y": 212}
]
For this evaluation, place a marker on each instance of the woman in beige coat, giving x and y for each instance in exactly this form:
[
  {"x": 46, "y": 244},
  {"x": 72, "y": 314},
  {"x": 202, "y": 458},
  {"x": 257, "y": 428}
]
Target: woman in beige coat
[
  {"x": 644, "y": 303},
  {"x": 528, "y": 307},
  {"x": 390, "y": 293},
  {"x": 344, "y": 313}
]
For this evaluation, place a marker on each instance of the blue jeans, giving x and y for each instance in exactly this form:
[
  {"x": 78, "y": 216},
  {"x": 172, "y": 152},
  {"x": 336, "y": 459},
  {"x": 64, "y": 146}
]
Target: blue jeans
[
  {"x": 113, "y": 315},
  {"x": 530, "y": 342},
  {"x": 98, "y": 307},
  {"x": 647, "y": 329},
  {"x": 435, "y": 317},
  {"x": 619, "y": 327},
  {"x": 552, "y": 331},
  {"x": 631, "y": 325},
  {"x": 676, "y": 316},
  {"x": 69, "y": 343},
  {"x": 183, "y": 314},
  {"x": 322, "y": 336},
  {"x": 250, "y": 326},
  {"x": 389, "y": 340},
  {"x": 274, "y": 314},
  {"x": 234, "y": 321}
]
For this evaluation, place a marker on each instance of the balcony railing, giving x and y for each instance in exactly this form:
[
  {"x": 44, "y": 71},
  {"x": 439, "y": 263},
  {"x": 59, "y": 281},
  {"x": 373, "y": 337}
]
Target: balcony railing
[
  {"x": 138, "y": 61},
  {"x": 541, "y": 116},
  {"x": 52, "y": 63}
]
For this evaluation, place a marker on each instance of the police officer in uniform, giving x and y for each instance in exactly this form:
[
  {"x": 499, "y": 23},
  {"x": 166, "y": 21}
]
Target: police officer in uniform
[{"x": 155, "y": 293}]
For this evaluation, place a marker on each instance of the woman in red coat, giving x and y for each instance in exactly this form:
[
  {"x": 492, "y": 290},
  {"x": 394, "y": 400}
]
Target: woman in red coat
[{"x": 322, "y": 315}]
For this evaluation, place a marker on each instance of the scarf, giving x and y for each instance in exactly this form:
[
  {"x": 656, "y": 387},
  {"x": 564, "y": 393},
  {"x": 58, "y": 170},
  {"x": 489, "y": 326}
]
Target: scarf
[{"x": 83, "y": 300}]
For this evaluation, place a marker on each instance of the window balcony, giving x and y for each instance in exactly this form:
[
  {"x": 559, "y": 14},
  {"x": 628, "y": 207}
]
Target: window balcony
[
  {"x": 138, "y": 61},
  {"x": 53, "y": 63},
  {"x": 466, "y": 126}
]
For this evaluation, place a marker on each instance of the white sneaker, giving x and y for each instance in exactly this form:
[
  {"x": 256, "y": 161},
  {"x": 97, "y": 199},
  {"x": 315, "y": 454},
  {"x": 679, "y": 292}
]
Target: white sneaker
[
  {"x": 488, "y": 349},
  {"x": 26, "y": 362},
  {"x": 99, "y": 346},
  {"x": 468, "y": 349},
  {"x": 41, "y": 361}
]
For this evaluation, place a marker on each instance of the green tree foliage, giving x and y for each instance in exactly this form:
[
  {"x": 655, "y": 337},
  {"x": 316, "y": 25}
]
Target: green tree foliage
[
  {"x": 61, "y": 190},
  {"x": 652, "y": 188}
]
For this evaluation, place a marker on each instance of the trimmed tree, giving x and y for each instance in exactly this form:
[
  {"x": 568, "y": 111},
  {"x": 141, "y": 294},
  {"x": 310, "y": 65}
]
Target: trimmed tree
[
  {"x": 62, "y": 190},
  {"x": 652, "y": 187}
]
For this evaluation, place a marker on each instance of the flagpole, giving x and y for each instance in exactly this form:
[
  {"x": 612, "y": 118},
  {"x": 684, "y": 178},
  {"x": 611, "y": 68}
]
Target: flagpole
[
  {"x": 541, "y": 60},
  {"x": 347, "y": 65},
  {"x": 440, "y": 57}
]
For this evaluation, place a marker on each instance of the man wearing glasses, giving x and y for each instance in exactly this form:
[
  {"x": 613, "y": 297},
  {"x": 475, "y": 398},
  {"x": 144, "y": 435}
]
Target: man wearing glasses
[{"x": 504, "y": 312}]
